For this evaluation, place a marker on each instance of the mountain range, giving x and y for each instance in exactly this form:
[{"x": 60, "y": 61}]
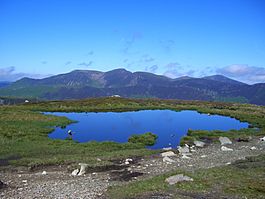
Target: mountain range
[{"x": 80, "y": 84}]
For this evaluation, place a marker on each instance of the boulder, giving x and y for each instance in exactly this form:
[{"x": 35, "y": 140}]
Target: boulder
[
  {"x": 224, "y": 148},
  {"x": 168, "y": 154},
  {"x": 82, "y": 169},
  {"x": 225, "y": 140},
  {"x": 168, "y": 160},
  {"x": 75, "y": 172},
  {"x": 183, "y": 150},
  {"x": 177, "y": 178},
  {"x": 199, "y": 143}
]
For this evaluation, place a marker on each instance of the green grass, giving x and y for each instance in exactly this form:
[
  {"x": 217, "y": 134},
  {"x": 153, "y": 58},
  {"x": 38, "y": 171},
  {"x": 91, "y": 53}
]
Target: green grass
[
  {"x": 24, "y": 130},
  {"x": 244, "y": 179},
  {"x": 147, "y": 139}
]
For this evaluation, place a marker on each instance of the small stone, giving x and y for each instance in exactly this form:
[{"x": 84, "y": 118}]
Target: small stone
[
  {"x": 75, "y": 172},
  {"x": 228, "y": 163},
  {"x": 177, "y": 178},
  {"x": 225, "y": 140},
  {"x": 224, "y": 148},
  {"x": 98, "y": 159},
  {"x": 44, "y": 173},
  {"x": 199, "y": 143},
  {"x": 184, "y": 156},
  {"x": 24, "y": 181},
  {"x": 203, "y": 156},
  {"x": 168, "y": 154},
  {"x": 262, "y": 139},
  {"x": 253, "y": 148},
  {"x": 126, "y": 162}
]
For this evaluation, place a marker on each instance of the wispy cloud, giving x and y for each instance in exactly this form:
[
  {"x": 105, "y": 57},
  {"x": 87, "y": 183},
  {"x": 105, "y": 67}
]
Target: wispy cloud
[
  {"x": 244, "y": 72},
  {"x": 44, "y": 62},
  {"x": 174, "y": 70},
  {"x": 67, "y": 63},
  {"x": 151, "y": 69},
  {"x": 86, "y": 64},
  {"x": 128, "y": 43},
  {"x": 168, "y": 45},
  {"x": 9, "y": 74},
  {"x": 90, "y": 52}
]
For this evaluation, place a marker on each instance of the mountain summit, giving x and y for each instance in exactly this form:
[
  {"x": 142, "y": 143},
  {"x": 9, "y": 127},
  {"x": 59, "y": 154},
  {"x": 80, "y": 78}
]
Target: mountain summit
[{"x": 80, "y": 84}]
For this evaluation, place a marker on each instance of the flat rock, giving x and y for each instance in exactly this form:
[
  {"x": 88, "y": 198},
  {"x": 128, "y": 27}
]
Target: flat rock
[
  {"x": 199, "y": 143},
  {"x": 178, "y": 178},
  {"x": 225, "y": 140},
  {"x": 224, "y": 148},
  {"x": 168, "y": 160},
  {"x": 168, "y": 154}
]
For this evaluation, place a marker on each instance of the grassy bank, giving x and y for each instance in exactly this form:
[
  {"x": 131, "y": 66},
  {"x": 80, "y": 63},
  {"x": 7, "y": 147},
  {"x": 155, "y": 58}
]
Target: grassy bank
[{"x": 24, "y": 130}]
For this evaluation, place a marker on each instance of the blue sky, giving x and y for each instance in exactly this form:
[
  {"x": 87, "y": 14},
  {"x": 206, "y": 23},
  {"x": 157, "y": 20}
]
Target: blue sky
[{"x": 168, "y": 37}]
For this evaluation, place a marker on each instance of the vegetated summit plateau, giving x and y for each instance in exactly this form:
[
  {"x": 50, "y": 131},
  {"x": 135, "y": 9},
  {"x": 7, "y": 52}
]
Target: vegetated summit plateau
[{"x": 80, "y": 84}]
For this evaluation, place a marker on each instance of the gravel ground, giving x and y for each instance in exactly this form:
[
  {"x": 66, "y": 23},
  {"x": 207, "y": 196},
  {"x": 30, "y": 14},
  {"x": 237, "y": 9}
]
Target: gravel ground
[{"x": 58, "y": 182}]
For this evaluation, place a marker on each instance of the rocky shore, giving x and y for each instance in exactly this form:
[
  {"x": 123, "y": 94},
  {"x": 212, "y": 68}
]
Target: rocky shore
[{"x": 59, "y": 182}]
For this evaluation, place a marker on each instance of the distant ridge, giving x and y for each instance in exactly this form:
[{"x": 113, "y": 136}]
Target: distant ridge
[{"x": 80, "y": 84}]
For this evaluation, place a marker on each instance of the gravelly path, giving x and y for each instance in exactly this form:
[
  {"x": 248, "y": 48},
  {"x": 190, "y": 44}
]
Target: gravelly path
[{"x": 58, "y": 183}]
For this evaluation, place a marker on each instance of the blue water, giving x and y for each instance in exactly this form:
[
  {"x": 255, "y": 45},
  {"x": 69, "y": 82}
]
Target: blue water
[{"x": 169, "y": 125}]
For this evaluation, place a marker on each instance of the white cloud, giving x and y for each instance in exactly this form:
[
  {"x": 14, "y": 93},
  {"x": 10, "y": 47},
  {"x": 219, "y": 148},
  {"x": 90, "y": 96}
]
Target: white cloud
[{"x": 244, "y": 72}]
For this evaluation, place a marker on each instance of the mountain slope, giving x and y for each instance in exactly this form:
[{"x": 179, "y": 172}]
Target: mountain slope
[{"x": 87, "y": 83}]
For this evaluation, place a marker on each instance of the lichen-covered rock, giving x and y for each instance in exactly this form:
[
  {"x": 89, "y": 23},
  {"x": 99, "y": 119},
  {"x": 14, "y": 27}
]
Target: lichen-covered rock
[{"x": 178, "y": 178}]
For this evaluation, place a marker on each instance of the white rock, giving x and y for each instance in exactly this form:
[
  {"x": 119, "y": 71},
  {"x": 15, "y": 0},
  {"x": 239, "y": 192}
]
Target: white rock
[
  {"x": 183, "y": 149},
  {"x": 98, "y": 159},
  {"x": 177, "y": 178},
  {"x": 44, "y": 173},
  {"x": 75, "y": 172},
  {"x": 224, "y": 148},
  {"x": 225, "y": 140},
  {"x": 199, "y": 143},
  {"x": 24, "y": 181},
  {"x": 253, "y": 148},
  {"x": 128, "y": 160},
  {"x": 262, "y": 139},
  {"x": 82, "y": 169},
  {"x": 184, "y": 156},
  {"x": 168, "y": 154},
  {"x": 203, "y": 156},
  {"x": 168, "y": 160},
  {"x": 228, "y": 163}
]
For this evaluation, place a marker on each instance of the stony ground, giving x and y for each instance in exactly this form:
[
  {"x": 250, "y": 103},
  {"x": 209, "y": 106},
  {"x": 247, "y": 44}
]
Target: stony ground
[{"x": 59, "y": 183}]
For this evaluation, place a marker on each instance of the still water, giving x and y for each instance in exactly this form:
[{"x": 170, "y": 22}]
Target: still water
[{"x": 169, "y": 125}]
